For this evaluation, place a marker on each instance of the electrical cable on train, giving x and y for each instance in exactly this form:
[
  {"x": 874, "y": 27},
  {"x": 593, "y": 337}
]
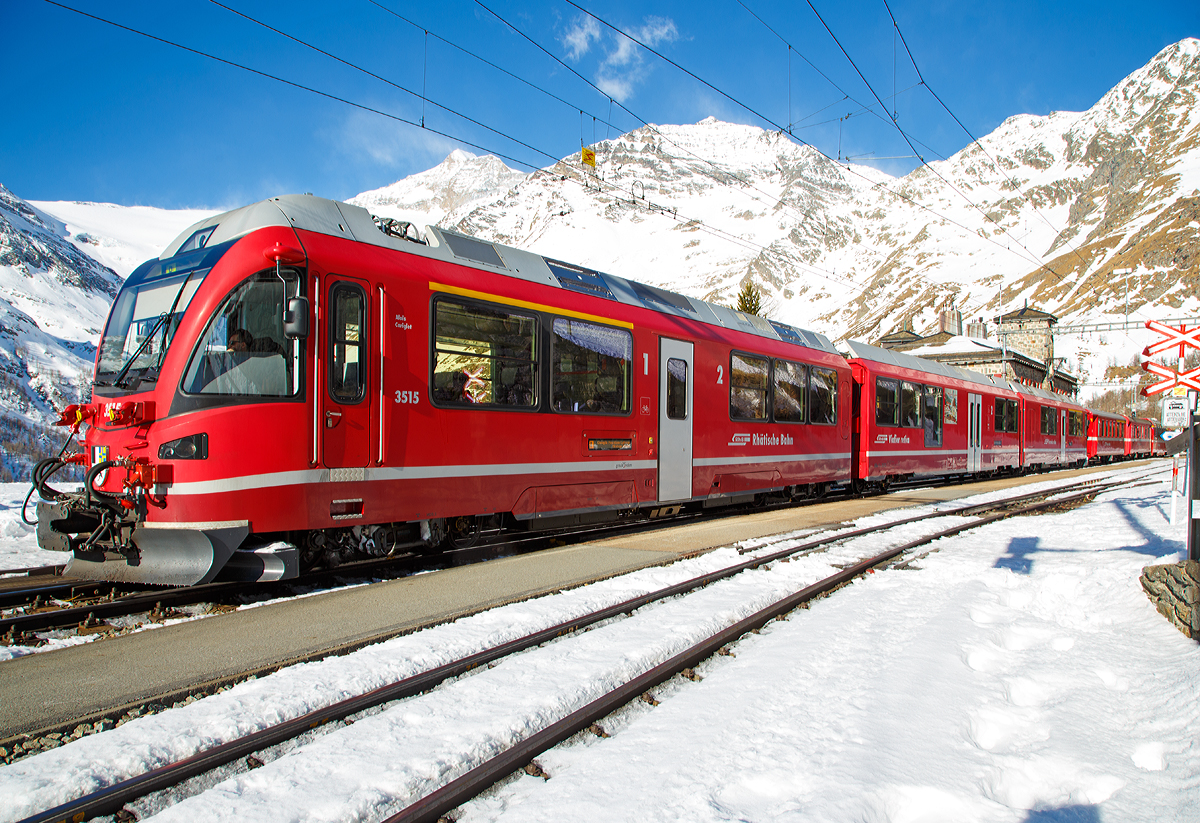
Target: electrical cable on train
[{"x": 297, "y": 382}]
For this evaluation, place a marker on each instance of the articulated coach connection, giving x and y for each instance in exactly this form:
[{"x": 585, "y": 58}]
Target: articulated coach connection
[{"x": 296, "y": 382}]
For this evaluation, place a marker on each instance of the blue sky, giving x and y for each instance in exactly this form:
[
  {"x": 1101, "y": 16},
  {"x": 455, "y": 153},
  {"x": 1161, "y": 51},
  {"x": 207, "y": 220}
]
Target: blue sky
[{"x": 93, "y": 112}]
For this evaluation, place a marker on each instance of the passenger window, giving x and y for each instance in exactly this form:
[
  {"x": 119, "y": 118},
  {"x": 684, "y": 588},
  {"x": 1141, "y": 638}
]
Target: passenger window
[
  {"x": 592, "y": 368},
  {"x": 677, "y": 389},
  {"x": 748, "y": 387},
  {"x": 347, "y": 335},
  {"x": 243, "y": 352},
  {"x": 484, "y": 355},
  {"x": 910, "y": 405},
  {"x": 788, "y": 404},
  {"x": 822, "y": 396},
  {"x": 1049, "y": 420},
  {"x": 887, "y": 402},
  {"x": 931, "y": 420}
]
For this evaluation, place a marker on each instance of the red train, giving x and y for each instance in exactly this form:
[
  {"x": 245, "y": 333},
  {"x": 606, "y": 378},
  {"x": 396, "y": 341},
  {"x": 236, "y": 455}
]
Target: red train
[{"x": 297, "y": 382}]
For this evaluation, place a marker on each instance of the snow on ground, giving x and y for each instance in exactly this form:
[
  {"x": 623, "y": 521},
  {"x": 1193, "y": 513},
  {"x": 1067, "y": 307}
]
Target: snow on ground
[
  {"x": 18, "y": 540},
  {"x": 1020, "y": 674}
]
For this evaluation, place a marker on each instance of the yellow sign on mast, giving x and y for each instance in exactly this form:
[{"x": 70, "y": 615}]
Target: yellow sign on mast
[{"x": 589, "y": 157}]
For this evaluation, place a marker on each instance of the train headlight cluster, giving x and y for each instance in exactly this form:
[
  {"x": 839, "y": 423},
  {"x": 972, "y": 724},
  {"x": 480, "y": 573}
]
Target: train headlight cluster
[{"x": 192, "y": 447}]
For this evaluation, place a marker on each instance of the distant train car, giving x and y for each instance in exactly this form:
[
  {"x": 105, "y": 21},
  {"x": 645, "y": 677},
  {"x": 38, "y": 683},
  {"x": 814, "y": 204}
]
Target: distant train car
[
  {"x": 1053, "y": 430},
  {"x": 1141, "y": 436},
  {"x": 920, "y": 418},
  {"x": 1105, "y": 436}
]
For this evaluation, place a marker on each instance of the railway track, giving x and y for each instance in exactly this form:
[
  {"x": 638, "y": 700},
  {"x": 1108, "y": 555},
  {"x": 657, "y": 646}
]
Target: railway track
[
  {"x": 89, "y": 606},
  {"x": 113, "y": 799}
]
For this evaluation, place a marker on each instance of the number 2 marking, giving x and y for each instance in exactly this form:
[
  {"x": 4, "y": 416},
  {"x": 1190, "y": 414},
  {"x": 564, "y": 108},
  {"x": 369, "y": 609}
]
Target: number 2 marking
[{"x": 720, "y": 375}]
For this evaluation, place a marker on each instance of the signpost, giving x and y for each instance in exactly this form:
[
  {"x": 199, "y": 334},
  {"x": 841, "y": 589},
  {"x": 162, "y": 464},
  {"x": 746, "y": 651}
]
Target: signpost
[{"x": 1179, "y": 381}]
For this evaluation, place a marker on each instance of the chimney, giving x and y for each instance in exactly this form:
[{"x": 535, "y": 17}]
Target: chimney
[
  {"x": 977, "y": 329},
  {"x": 950, "y": 320}
]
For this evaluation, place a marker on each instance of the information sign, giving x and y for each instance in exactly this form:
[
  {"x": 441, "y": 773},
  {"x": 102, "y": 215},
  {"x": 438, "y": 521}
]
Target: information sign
[{"x": 1174, "y": 412}]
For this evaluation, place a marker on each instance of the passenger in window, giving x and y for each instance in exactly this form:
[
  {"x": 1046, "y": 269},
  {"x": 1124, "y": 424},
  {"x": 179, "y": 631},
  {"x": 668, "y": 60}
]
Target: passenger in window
[
  {"x": 520, "y": 393},
  {"x": 239, "y": 340},
  {"x": 456, "y": 392},
  {"x": 562, "y": 397}
]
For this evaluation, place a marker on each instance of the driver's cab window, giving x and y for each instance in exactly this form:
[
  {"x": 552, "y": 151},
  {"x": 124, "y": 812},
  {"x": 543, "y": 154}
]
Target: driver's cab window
[{"x": 244, "y": 352}]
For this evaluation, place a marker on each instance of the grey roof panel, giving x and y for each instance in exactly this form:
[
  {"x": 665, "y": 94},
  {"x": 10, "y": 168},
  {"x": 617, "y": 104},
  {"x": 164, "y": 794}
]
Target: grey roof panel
[
  {"x": 317, "y": 214},
  {"x": 863, "y": 351}
]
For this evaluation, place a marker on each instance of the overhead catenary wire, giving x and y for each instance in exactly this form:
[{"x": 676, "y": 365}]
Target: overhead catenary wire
[
  {"x": 716, "y": 232},
  {"x": 719, "y": 167},
  {"x": 926, "y": 165},
  {"x": 698, "y": 223},
  {"x": 974, "y": 140},
  {"x": 1031, "y": 258}
]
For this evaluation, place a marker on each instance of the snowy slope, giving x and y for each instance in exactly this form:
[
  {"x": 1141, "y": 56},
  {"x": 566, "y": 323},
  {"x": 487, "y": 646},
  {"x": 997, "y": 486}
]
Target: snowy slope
[
  {"x": 53, "y": 301},
  {"x": 120, "y": 237},
  {"x": 459, "y": 183}
]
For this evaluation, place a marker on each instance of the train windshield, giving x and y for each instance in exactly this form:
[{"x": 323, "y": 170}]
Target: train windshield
[{"x": 140, "y": 328}]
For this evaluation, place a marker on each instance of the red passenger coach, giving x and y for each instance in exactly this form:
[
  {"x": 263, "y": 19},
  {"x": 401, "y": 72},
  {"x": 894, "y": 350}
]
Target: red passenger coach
[
  {"x": 1105, "y": 436},
  {"x": 1054, "y": 430},
  {"x": 1141, "y": 435},
  {"x": 921, "y": 418},
  {"x": 297, "y": 382}
]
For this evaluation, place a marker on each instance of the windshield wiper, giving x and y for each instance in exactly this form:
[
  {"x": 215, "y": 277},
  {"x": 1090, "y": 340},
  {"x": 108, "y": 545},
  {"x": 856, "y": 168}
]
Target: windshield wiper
[{"x": 162, "y": 318}]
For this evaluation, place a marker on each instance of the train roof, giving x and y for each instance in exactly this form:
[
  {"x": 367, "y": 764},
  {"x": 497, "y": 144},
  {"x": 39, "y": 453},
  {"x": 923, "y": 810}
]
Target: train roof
[
  {"x": 862, "y": 351},
  {"x": 338, "y": 219},
  {"x": 1042, "y": 394}
]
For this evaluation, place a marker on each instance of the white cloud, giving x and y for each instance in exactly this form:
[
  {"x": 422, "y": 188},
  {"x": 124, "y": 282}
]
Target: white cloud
[
  {"x": 393, "y": 145},
  {"x": 579, "y": 37},
  {"x": 623, "y": 66}
]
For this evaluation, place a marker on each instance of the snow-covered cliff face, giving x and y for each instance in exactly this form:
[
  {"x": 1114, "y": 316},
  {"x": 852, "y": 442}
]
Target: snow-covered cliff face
[
  {"x": 459, "y": 183},
  {"x": 53, "y": 301},
  {"x": 1043, "y": 209}
]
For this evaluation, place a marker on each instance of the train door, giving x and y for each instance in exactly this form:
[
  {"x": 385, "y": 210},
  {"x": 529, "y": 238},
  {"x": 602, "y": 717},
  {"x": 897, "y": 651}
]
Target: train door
[
  {"x": 974, "y": 433},
  {"x": 345, "y": 393},
  {"x": 675, "y": 414},
  {"x": 1062, "y": 436}
]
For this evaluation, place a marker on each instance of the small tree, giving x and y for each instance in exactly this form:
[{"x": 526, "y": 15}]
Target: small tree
[{"x": 749, "y": 300}]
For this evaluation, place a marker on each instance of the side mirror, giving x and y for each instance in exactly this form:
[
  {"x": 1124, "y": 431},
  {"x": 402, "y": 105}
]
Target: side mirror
[{"x": 295, "y": 319}]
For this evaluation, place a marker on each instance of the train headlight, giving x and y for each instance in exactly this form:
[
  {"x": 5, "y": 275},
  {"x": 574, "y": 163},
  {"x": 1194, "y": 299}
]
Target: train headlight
[{"x": 192, "y": 447}]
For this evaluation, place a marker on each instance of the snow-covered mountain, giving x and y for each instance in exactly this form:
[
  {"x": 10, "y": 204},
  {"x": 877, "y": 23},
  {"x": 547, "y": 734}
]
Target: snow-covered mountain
[
  {"x": 459, "y": 183},
  {"x": 57, "y": 281},
  {"x": 1043, "y": 209}
]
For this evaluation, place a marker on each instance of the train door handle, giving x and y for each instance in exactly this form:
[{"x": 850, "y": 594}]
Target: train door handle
[{"x": 332, "y": 418}]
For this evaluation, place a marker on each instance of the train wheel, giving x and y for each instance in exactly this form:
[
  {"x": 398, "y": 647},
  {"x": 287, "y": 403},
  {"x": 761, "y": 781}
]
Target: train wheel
[{"x": 464, "y": 532}]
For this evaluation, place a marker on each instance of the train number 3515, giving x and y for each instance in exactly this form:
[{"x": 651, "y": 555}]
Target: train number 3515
[{"x": 408, "y": 397}]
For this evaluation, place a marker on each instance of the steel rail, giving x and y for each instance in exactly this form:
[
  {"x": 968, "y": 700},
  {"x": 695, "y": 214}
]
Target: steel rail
[
  {"x": 112, "y": 799},
  {"x": 433, "y": 806}
]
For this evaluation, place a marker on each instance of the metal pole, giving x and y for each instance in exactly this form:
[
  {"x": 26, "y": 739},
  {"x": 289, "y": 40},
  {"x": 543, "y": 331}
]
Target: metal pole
[{"x": 1193, "y": 482}]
